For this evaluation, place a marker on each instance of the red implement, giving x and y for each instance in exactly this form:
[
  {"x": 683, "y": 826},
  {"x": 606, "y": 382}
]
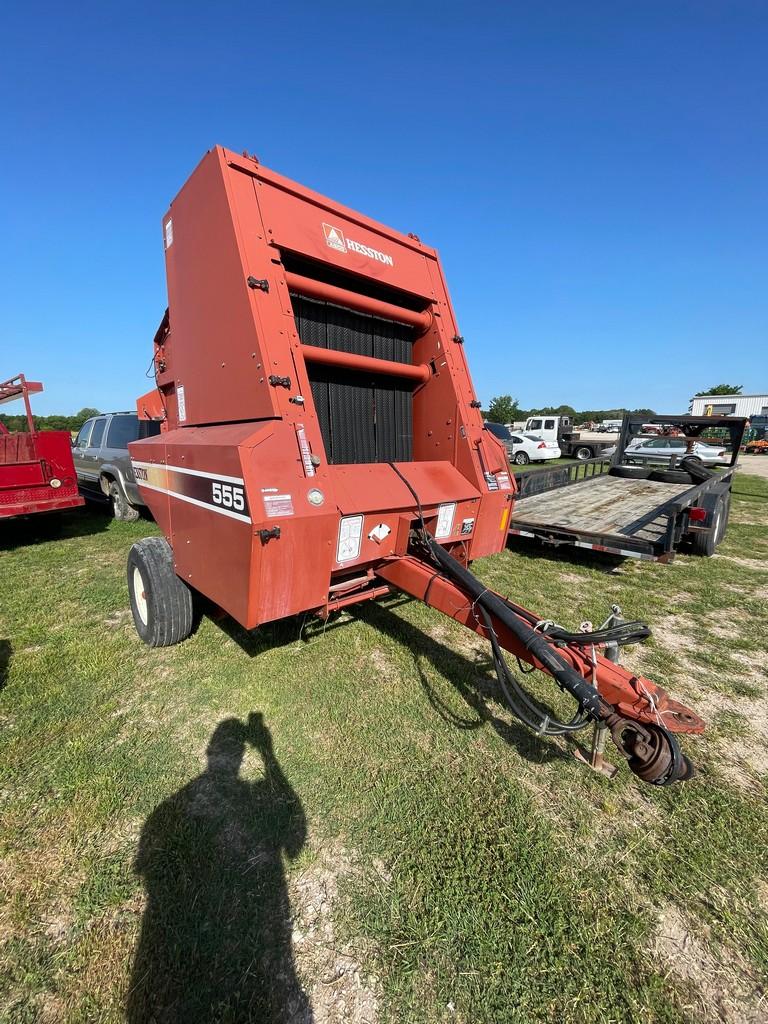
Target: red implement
[
  {"x": 36, "y": 469},
  {"x": 322, "y": 439}
]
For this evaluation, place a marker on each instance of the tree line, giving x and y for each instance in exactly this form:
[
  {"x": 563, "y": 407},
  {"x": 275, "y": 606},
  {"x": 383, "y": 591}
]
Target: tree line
[
  {"x": 71, "y": 423},
  {"x": 505, "y": 409}
]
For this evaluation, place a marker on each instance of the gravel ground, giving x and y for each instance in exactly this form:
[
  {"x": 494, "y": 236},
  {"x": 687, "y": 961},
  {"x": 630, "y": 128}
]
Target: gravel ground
[{"x": 755, "y": 464}]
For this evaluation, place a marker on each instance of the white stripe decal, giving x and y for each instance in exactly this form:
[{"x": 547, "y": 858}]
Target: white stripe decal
[
  {"x": 194, "y": 501},
  {"x": 190, "y": 472}
]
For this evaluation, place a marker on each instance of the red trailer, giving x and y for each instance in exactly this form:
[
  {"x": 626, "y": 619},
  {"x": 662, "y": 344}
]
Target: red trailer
[
  {"x": 322, "y": 445},
  {"x": 36, "y": 470}
]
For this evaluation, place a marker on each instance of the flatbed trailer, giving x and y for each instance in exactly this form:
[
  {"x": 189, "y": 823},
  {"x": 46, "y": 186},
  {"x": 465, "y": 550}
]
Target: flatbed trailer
[
  {"x": 586, "y": 505},
  {"x": 37, "y": 474}
]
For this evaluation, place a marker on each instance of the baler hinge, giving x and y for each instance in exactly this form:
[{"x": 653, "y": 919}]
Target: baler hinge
[
  {"x": 459, "y": 339},
  {"x": 267, "y": 535},
  {"x": 259, "y": 282},
  {"x": 475, "y": 405},
  {"x": 279, "y": 382}
]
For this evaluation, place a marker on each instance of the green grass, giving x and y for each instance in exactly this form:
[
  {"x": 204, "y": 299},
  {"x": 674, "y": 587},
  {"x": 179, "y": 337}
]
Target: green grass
[{"x": 482, "y": 874}]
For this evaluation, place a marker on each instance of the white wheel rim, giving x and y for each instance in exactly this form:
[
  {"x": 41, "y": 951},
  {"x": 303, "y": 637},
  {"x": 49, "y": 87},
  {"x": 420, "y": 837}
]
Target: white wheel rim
[{"x": 139, "y": 595}]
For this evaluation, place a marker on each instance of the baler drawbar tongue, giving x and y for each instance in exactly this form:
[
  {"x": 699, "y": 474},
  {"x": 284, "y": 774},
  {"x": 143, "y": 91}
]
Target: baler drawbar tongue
[{"x": 642, "y": 730}]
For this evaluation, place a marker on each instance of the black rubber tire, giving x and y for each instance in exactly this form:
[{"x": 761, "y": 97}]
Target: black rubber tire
[
  {"x": 725, "y": 517},
  {"x": 122, "y": 510},
  {"x": 583, "y": 453},
  {"x": 521, "y": 459},
  {"x": 671, "y": 476},
  {"x": 630, "y": 472},
  {"x": 162, "y": 609},
  {"x": 706, "y": 543},
  {"x": 696, "y": 468}
]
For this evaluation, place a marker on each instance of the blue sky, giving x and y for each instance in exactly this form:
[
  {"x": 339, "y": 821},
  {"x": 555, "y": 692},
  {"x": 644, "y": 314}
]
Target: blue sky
[{"x": 594, "y": 174}]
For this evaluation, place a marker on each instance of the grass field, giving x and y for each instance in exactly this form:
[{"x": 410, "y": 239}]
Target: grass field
[{"x": 343, "y": 824}]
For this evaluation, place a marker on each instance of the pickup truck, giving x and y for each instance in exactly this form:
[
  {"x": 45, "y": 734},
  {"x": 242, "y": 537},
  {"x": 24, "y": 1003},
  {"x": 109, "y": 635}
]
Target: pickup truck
[
  {"x": 559, "y": 429},
  {"x": 102, "y": 462}
]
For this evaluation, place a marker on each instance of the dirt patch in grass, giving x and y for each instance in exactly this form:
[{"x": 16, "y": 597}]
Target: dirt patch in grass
[
  {"x": 747, "y": 563},
  {"x": 725, "y": 990},
  {"x": 331, "y": 969}
]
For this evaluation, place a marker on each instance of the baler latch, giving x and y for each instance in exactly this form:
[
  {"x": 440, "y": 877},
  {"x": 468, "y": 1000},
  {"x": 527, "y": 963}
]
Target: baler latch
[
  {"x": 268, "y": 535},
  {"x": 279, "y": 382},
  {"x": 258, "y": 282}
]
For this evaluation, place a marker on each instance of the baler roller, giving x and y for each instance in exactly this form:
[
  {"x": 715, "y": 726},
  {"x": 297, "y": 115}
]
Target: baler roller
[
  {"x": 352, "y": 361},
  {"x": 313, "y": 289}
]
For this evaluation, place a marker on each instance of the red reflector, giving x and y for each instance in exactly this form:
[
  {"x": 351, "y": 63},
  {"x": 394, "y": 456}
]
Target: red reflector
[
  {"x": 542, "y": 445},
  {"x": 697, "y": 514}
]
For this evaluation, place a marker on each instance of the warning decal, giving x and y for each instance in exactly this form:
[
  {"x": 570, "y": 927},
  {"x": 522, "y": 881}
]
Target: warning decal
[{"x": 278, "y": 505}]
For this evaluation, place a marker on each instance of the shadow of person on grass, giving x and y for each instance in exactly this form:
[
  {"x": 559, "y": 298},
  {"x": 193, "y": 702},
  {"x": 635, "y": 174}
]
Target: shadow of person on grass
[
  {"x": 5, "y": 661},
  {"x": 215, "y": 943},
  {"x": 473, "y": 681}
]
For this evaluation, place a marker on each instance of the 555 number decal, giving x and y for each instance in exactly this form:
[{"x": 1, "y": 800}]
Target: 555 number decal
[{"x": 228, "y": 496}]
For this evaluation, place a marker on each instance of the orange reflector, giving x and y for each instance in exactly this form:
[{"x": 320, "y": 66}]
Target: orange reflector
[{"x": 504, "y": 519}]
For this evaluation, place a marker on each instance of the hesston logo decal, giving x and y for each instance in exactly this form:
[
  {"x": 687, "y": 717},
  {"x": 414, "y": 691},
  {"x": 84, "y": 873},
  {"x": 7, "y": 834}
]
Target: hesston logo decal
[{"x": 334, "y": 239}]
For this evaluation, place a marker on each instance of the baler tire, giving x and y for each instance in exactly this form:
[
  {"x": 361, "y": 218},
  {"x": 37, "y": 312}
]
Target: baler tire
[
  {"x": 630, "y": 472},
  {"x": 122, "y": 510},
  {"x": 162, "y": 608},
  {"x": 671, "y": 476}
]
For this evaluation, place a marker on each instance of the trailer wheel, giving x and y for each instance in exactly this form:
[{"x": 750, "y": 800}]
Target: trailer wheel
[
  {"x": 161, "y": 603},
  {"x": 725, "y": 516},
  {"x": 583, "y": 453},
  {"x": 521, "y": 459},
  {"x": 706, "y": 543},
  {"x": 122, "y": 509},
  {"x": 630, "y": 472}
]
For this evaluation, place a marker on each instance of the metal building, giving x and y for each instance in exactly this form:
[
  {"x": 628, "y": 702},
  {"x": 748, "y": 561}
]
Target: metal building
[{"x": 729, "y": 405}]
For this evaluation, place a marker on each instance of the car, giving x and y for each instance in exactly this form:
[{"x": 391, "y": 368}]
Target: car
[
  {"x": 662, "y": 449},
  {"x": 523, "y": 448},
  {"x": 103, "y": 464}
]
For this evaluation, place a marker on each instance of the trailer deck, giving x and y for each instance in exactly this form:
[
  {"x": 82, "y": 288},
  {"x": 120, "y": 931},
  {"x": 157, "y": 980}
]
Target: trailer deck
[
  {"x": 604, "y": 505},
  {"x": 595, "y": 504}
]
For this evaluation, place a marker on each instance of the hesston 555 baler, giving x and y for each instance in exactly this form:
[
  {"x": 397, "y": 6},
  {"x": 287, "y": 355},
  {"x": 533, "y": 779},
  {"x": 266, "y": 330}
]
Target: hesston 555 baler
[{"x": 322, "y": 445}]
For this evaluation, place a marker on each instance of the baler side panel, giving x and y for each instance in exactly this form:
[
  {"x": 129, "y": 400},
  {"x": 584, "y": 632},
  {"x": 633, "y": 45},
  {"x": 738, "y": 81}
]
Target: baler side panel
[{"x": 216, "y": 351}]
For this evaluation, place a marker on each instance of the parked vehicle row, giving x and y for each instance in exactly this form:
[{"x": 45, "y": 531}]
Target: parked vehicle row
[
  {"x": 523, "y": 448},
  {"x": 663, "y": 449}
]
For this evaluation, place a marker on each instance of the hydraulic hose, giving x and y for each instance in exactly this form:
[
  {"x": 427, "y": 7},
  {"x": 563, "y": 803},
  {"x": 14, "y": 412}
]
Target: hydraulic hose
[
  {"x": 564, "y": 675},
  {"x": 492, "y": 605}
]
